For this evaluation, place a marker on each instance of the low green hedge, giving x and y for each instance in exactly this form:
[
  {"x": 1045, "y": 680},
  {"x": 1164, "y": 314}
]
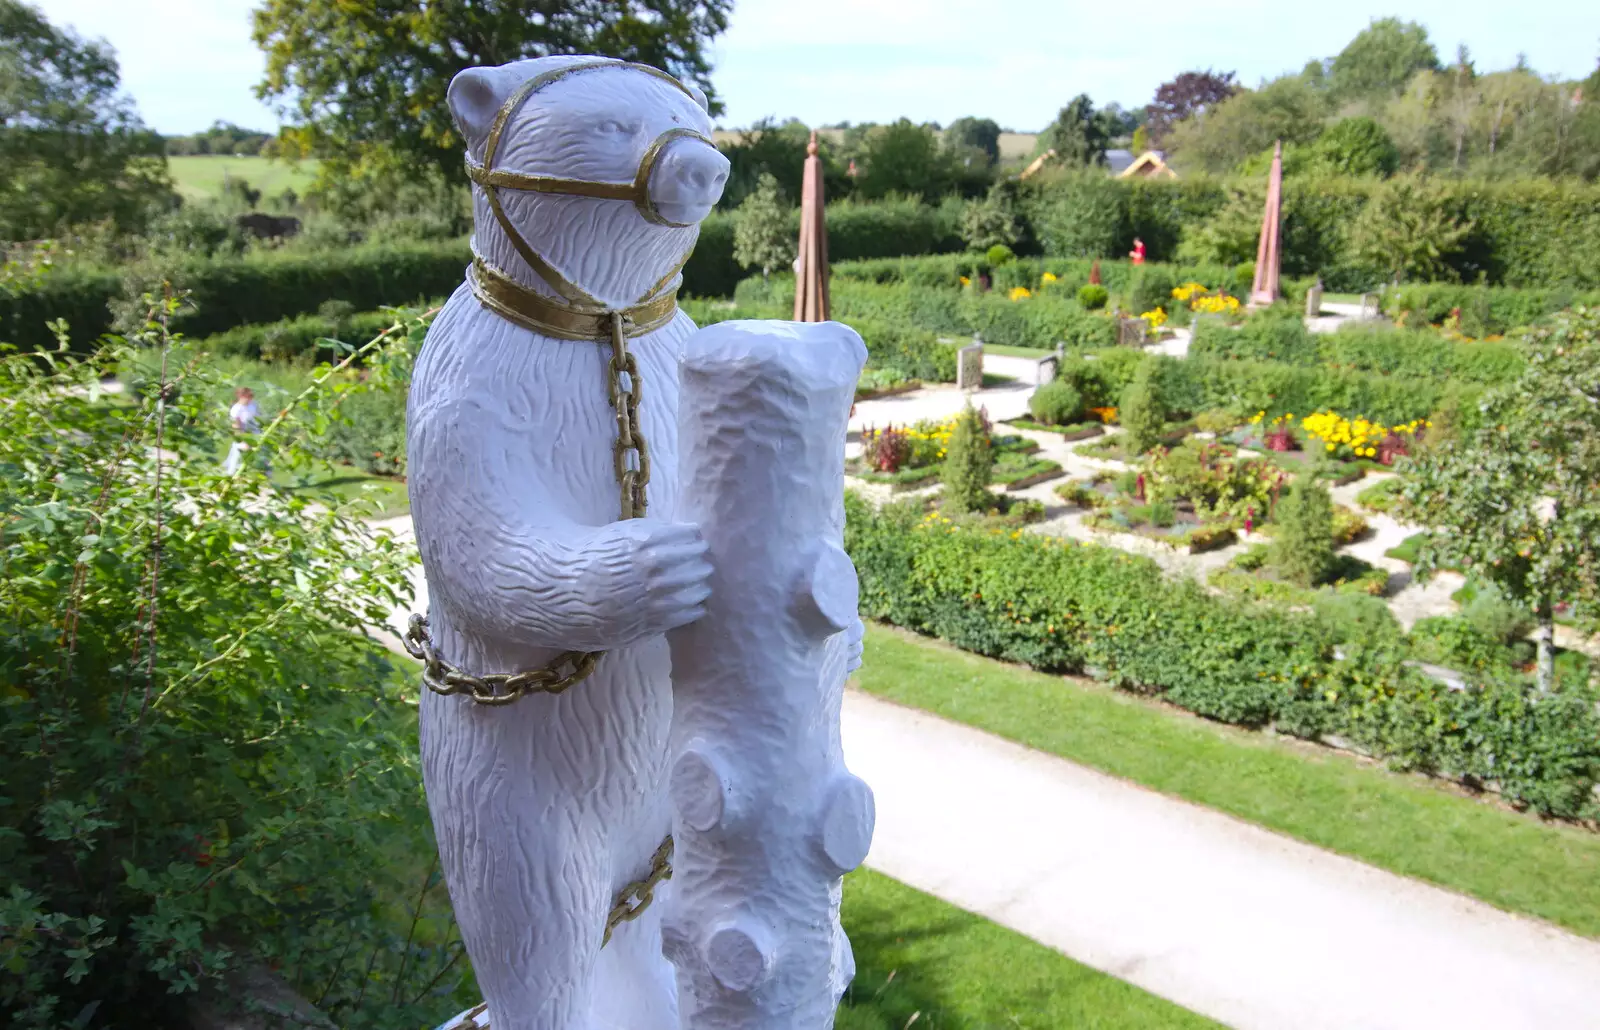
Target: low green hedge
[
  {"x": 290, "y": 338},
  {"x": 1041, "y": 321},
  {"x": 1362, "y": 347},
  {"x": 1064, "y": 607},
  {"x": 1196, "y": 384},
  {"x": 1484, "y": 309},
  {"x": 891, "y": 346}
]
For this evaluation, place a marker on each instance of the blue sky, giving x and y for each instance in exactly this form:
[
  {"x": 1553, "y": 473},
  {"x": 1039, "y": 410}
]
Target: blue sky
[{"x": 190, "y": 62}]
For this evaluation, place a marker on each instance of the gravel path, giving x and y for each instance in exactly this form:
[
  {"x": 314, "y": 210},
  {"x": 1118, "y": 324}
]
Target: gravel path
[{"x": 1253, "y": 929}]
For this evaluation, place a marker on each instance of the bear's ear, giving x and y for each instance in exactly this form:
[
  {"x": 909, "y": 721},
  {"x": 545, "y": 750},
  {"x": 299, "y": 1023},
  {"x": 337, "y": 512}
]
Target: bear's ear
[
  {"x": 699, "y": 96},
  {"x": 475, "y": 97}
]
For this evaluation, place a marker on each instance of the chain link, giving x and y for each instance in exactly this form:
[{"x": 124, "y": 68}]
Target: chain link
[
  {"x": 633, "y": 899},
  {"x": 633, "y": 475},
  {"x": 570, "y": 667}
]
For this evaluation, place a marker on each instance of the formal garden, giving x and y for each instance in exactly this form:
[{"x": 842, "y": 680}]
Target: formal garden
[{"x": 1333, "y": 572}]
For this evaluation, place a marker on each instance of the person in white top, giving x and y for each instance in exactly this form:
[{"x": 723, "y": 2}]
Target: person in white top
[{"x": 245, "y": 417}]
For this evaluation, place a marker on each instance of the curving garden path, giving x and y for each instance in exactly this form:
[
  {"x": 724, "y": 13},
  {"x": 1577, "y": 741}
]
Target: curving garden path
[{"x": 1250, "y": 928}]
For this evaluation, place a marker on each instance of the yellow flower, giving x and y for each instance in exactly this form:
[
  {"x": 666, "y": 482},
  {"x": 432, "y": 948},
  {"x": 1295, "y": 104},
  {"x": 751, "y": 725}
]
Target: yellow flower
[
  {"x": 1330, "y": 447},
  {"x": 965, "y": 281},
  {"x": 1048, "y": 277},
  {"x": 1020, "y": 293}
]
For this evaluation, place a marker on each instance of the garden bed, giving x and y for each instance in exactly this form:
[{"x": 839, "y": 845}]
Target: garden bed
[
  {"x": 1071, "y": 433},
  {"x": 1250, "y": 576},
  {"x": 1176, "y": 526},
  {"x": 867, "y": 393},
  {"x": 1013, "y": 462}
]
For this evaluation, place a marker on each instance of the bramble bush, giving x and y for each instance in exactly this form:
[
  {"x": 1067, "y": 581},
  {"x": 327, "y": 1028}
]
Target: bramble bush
[
  {"x": 1059, "y": 606},
  {"x": 207, "y": 765}
]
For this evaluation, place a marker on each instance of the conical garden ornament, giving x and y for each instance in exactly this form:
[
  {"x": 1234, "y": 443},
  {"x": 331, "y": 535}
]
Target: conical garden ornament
[
  {"x": 811, "y": 279},
  {"x": 1265, "y": 289}
]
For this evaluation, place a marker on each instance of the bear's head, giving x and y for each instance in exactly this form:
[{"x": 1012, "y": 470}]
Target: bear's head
[{"x": 594, "y": 125}]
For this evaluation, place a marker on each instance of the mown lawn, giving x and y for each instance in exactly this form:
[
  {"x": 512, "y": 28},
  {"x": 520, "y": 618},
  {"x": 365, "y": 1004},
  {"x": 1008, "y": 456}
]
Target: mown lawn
[
  {"x": 1407, "y": 824},
  {"x": 200, "y": 176},
  {"x": 923, "y": 963}
]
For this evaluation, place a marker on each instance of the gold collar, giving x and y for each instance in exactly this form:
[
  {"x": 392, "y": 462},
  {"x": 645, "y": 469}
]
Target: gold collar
[{"x": 548, "y": 316}]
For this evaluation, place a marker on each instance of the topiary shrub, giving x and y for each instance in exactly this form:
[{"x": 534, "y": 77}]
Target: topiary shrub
[
  {"x": 1142, "y": 412},
  {"x": 1302, "y": 550},
  {"x": 1056, "y": 403},
  {"x": 998, "y": 255},
  {"x": 1150, "y": 288},
  {"x": 1093, "y": 296},
  {"x": 968, "y": 465}
]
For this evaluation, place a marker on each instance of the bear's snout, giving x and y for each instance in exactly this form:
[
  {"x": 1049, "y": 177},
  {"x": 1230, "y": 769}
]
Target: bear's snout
[{"x": 687, "y": 181}]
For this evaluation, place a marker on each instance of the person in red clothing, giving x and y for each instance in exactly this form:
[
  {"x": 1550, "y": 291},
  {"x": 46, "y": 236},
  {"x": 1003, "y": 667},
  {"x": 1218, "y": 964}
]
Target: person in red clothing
[{"x": 1137, "y": 253}]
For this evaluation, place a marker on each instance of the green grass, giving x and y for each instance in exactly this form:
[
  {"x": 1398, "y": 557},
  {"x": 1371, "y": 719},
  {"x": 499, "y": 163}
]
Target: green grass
[
  {"x": 1407, "y": 824},
  {"x": 1007, "y": 351},
  {"x": 923, "y": 963},
  {"x": 200, "y": 176},
  {"x": 387, "y": 497},
  {"x": 1409, "y": 549}
]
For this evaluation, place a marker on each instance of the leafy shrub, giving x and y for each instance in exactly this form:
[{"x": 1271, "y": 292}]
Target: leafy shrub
[
  {"x": 1150, "y": 288},
  {"x": 1273, "y": 334},
  {"x": 969, "y": 465},
  {"x": 1142, "y": 411},
  {"x": 206, "y": 764},
  {"x": 1059, "y": 606},
  {"x": 1302, "y": 548},
  {"x": 1056, "y": 403},
  {"x": 300, "y": 337},
  {"x": 1162, "y": 514},
  {"x": 1495, "y": 616},
  {"x": 1355, "y": 618},
  {"x": 1093, "y": 296},
  {"x": 998, "y": 255}
]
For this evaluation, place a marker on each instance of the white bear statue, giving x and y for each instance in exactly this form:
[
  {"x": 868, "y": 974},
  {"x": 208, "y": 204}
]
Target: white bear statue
[{"x": 542, "y": 440}]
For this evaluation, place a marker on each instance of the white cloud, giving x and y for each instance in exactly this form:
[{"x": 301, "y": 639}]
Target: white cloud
[{"x": 190, "y": 62}]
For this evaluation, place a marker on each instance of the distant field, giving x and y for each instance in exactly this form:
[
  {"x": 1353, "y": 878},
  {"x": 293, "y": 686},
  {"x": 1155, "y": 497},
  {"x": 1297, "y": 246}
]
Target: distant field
[{"x": 200, "y": 177}]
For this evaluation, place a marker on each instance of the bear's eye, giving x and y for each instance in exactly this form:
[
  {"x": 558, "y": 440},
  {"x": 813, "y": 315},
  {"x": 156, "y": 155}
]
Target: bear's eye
[{"x": 612, "y": 127}]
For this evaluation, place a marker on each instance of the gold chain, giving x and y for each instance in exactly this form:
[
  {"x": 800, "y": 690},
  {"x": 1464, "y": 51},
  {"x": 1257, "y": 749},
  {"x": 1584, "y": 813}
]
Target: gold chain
[
  {"x": 636, "y": 896},
  {"x": 632, "y": 461}
]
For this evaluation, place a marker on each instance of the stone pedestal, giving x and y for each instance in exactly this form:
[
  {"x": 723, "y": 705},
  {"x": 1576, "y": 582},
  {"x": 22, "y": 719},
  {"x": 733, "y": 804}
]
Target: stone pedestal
[
  {"x": 969, "y": 366},
  {"x": 766, "y": 818},
  {"x": 1045, "y": 369},
  {"x": 1314, "y": 300}
]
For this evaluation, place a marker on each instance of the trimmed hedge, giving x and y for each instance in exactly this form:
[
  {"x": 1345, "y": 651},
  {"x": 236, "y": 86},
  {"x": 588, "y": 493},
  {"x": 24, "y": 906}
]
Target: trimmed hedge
[
  {"x": 1525, "y": 232},
  {"x": 290, "y": 338},
  {"x": 912, "y": 353},
  {"x": 1495, "y": 308},
  {"x": 232, "y": 292},
  {"x": 1063, "y": 607},
  {"x": 1191, "y": 385},
  {"x": 1362, "y": 347}
]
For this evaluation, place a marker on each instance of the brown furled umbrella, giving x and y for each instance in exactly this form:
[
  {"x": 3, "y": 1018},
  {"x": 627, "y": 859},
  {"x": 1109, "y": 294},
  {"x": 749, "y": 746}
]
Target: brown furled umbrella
[
  {"x": 811, "y": 269},
  {"x": 1265, "y": 289}
]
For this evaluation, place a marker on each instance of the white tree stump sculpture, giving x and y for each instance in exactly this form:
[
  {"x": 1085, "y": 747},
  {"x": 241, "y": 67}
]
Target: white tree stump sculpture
[{"x": 766, "y": 818}]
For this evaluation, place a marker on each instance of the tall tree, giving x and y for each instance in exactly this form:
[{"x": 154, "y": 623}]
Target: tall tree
[
  {"x": 1289, "y": 109},
  {"x": 1185, "y": 97},
  {"x": 980, "y": 133},
  {"x": 72, "y": 147},
  {"x": 1518, "y": 500},
  {"x": 1381, "y": 59},
  {"x": 1077, "y": 136},
  {"x": 763, "y": 231},
  {"x": 904, "y": 157},
  {"x": 1409, "y": 229},
  {"x": 364, "y": 83}
]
